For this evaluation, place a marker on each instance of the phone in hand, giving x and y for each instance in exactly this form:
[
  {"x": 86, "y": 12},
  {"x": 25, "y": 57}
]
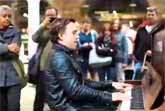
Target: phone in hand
[{"x": 51, "y": 19}]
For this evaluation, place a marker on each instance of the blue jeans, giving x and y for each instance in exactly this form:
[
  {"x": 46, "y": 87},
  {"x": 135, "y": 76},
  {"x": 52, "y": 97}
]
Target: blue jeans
[
  {"x": 120, "y": 72},
  {"x": 107, "y": 73},
  {"x": 137, "y": 69}
]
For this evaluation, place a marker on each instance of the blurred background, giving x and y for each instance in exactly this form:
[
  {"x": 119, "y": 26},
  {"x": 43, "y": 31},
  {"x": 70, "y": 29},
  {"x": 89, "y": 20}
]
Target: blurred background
[{"x": 99, "y": 11}]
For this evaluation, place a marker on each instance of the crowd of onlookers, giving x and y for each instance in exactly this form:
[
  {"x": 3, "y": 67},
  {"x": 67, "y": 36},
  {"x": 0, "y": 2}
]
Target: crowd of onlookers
[
  {"x": 62, "y": 79},
  {"x": 126, "y": 45},
  {"x": 109, "y": 41}
]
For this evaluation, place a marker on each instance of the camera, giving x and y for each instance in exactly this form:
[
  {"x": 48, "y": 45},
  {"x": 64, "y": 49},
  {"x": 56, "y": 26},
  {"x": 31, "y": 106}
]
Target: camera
[{"x": 52, "y": 19}]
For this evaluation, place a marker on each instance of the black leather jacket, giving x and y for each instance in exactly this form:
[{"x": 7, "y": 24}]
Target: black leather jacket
[{"x": 65, "y": 86}]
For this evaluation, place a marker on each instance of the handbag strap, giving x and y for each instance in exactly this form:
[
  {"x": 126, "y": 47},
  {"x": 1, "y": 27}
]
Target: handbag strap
[
  {"x": 19, "y": 67},
  {"x": 93, "y": 36},
  {"x": 38, "y": 53}
]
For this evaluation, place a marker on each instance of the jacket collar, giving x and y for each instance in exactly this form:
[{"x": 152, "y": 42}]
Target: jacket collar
[{"x": 59, "y": 46}]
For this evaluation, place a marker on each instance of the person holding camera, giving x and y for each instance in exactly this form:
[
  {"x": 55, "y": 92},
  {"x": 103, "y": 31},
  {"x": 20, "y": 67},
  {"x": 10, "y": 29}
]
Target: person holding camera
[{"x": 41, "y": 36}]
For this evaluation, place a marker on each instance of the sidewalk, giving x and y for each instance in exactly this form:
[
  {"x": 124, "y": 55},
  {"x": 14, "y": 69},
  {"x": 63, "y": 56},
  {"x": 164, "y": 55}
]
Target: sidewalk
[{"x": 27, "y": 98}]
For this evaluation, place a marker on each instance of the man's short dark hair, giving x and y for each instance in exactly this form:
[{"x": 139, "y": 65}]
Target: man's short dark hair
[{"x": 58, "y": 27}]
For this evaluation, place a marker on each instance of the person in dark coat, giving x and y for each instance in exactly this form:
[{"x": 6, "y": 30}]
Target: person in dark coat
[
  {"x": 143, "y": 41},
  {"x": 106, "y": 46},
  {"x": 10, "y": 41},
  {"x": 65, "y": 87},
  {"x": 42, "y": 37}
]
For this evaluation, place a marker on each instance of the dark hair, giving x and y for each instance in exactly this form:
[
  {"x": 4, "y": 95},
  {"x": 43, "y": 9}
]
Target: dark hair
[
  {"x": 114, "y": 22},
  {"x": 57, "y": 27},
  {"x": 102, "y": 30},
  {"x": 112, "y": 36}
]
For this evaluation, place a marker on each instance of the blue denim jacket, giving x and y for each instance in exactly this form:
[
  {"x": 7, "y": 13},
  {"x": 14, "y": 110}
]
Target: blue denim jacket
[
  {"x": 122, "y": 48},
  {"x": 8, "y": 75}
]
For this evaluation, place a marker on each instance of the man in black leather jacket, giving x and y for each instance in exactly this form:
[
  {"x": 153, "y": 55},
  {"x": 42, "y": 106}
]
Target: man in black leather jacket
[{"x": 66, "y": 90}]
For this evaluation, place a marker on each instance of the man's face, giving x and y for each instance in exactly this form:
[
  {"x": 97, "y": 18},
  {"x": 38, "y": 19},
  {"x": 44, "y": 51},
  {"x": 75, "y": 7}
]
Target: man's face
[
  {"x": 5, "y": 18},
  {"x": 70, "y": 36},
  {"x": 115, "y": 26},
  {"x": 86, "y": 27},
  {"x": 51, "y": 13},
  {"x": 152, "y": 17}
]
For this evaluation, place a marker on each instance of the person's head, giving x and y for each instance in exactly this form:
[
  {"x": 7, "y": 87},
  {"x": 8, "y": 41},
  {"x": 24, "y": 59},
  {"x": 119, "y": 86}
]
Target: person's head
[
  {"x": 86, "y": 25},
  {"x": 5, "y": 16},
  {"x": 116, "y": 25},
  {"x": 51, "y": 13},
  {"x": 152, "y": 15},
  {"x": 105, "y": 30},
  {"x": 65, "y": 32}
]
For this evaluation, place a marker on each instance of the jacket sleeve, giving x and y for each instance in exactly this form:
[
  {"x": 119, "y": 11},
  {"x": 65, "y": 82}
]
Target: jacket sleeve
[
  {"x": 67, "y": 76},
  {"x": 137, "y": 41},
  {"x": 16, "y": 39},
  {"x": 125, "y": 49},
  {"x": 3, "y": 48},
  {"x": 40, "y": 35},
  {"x": 103, "y": 51},
  {"x": 101, "y": 85}
]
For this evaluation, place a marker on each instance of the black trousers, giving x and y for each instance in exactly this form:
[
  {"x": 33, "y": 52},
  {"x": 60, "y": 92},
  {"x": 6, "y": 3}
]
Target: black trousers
[
  {"x": 10, "y": 98},
  {"x": 40, "y": 93}
]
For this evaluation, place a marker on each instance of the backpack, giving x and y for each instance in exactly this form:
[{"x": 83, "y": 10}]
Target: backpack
[{"x": 34, "y": 66}]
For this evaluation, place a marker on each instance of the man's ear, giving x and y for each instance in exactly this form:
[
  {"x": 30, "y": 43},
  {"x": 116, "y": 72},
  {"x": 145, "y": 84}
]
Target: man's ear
[{"x": 60, "y": 36}]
